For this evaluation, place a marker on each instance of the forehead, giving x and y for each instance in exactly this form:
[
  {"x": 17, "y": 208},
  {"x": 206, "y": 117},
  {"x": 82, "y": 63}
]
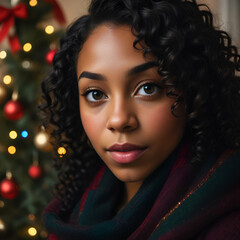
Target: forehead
[{"x": 109, "y": 44}]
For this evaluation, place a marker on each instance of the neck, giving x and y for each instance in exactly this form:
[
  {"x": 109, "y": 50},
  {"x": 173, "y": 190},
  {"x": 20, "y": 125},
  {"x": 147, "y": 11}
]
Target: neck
[{"x": 131, "y": 189}]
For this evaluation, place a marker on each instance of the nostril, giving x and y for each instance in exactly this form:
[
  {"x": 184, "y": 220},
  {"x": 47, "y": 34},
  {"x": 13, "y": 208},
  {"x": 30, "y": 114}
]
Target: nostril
[{"x": 122, "y": 125}]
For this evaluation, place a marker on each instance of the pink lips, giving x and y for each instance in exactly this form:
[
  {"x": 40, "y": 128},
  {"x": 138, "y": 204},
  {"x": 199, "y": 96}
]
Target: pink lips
[{"x": 125, "y": 153}]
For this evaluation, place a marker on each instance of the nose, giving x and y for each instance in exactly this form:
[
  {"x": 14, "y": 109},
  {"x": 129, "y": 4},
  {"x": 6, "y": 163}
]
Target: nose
[{"x": 122, "y": 116}]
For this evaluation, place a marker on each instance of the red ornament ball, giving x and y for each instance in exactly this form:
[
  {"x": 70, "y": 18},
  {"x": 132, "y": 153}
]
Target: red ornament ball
[
  {"x": 50, "y": 55},
  {"x": 35, "y": 171},
  {"x": 13, "y": 110},
  {"x": 8, "y": 188}
]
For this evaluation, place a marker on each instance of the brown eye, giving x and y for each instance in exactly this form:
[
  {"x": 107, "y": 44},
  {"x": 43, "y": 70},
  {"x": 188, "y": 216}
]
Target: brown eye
[
  {"x": 149, "y": 89},
  {"x": 95, "y": 95}
]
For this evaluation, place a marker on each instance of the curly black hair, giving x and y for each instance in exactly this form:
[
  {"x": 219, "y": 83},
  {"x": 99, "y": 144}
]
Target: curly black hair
[{"x": 191, "y": 55}]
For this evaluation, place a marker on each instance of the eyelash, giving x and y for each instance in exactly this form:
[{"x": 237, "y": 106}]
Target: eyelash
[{"x": 91, "y": 90}]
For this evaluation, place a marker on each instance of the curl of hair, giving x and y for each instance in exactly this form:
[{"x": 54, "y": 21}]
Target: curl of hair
[{"x": 191, "y": 54}]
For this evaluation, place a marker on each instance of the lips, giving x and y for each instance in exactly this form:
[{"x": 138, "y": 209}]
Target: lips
[{"x": 126, "y": 153}]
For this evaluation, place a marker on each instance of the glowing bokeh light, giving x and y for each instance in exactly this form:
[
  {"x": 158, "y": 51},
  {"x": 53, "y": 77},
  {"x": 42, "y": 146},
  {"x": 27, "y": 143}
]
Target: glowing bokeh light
[
  {"x": 27, "y": 47},
  {"x": 3, "y": 54},
  {"x": 33, "y": 3},
  {"x": 49, "y": 29},
  {"x": 61, "y": 151},
  {"x": 7, "y": 79},
  {"x": 32, "y": 231},
  {"x": 13, "y": 134},
  {"x": 24, "y": 133},
  {"x": 12, "y": 150}
]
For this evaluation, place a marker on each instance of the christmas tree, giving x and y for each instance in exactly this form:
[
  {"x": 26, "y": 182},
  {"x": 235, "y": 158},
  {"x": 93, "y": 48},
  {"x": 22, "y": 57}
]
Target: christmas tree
[{"x": 31, "y": 29}]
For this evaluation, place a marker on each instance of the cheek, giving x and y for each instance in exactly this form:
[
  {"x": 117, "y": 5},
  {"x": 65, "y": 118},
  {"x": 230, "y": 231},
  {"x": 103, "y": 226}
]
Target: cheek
[
  {"x": 160, "y": 122},
  {"x": 92, "y": 125},
  {"x": 88, "y": 124}
]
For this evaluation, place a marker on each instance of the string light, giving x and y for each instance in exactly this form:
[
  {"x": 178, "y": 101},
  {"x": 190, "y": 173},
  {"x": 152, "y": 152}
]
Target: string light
[
  {"x": 26, "y": 64},
  {"x": 27, "y": 47},
  {"x": 41, "y": 138},
  {"x": 7, "y": 79},
  {"x": 24, "y": 134},
  {"x": 3, "y": 54},
  {"x": 49, "y": 29},
  {"x": 12, "y": 150},
  {"x": 61, "y": 151},
  {"x": 13, "y": 134},
  {"x": 32, "y": 231},
  {"x": 33, "y": 3}
]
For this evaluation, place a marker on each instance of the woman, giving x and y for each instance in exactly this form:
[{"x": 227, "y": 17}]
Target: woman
[{"x": 144, "y": 96}]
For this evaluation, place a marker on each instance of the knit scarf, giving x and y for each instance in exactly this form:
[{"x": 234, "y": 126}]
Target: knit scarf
[{"x": 177, "y": 201}]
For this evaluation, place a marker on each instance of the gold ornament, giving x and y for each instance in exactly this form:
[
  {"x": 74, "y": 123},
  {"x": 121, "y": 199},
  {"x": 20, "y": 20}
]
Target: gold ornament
[
  {"x": 3, "y": 229},
  {"x": 41, "y": 141},
  {"x": 2, "y": 226},
  {"x": 3, "y": 93}
]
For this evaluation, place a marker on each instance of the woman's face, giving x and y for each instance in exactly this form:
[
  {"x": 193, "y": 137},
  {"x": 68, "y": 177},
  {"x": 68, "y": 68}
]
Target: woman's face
[{"x": 123, "y": 103}]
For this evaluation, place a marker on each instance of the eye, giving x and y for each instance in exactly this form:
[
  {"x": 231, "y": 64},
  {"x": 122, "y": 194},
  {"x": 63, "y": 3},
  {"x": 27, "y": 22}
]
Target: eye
[
  {"x": 94, "y": 95},
  {"x": 149, "y": 89}
]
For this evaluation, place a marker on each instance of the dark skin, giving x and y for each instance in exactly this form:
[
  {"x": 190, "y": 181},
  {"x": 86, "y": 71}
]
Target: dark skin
[{"x": 122, "y": 100}]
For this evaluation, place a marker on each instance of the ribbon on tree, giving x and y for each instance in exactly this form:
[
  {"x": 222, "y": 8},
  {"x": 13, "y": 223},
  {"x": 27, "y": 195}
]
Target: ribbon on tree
[
  {"x": 57, "y": 11},
  {"x": 7, "y": 19}
]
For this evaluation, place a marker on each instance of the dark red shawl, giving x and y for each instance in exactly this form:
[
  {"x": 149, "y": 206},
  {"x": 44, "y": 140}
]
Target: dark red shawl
[{"x": 178, "y": 201}]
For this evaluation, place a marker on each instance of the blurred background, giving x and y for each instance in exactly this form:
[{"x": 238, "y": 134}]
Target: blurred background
[{"x": 29, "y": 35}]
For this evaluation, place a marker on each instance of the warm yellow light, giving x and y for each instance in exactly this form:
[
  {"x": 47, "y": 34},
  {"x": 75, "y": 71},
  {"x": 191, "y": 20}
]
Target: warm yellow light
[
  {"x": 33, "y": 3},
  {"x": 7, "y": 79},
  {"x": 61, "y": 151},
  {"x": 49, "y": 29},
  {"x": 41, "y": 138},
  {"x": 3, "y": 54},
  {"x": 12, "y": 150},
  {"x": 27, "y": 47},
  {"x": 13, "y": 134},
  {"x": 32, "y": 231}
]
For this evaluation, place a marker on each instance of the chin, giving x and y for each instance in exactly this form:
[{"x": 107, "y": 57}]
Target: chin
[{"x": 129, "y": 175}]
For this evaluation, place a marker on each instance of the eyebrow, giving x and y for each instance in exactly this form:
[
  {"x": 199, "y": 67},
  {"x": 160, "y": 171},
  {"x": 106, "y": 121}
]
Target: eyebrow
[
  {"x": 94, "y": 76},
  {"x": 135, "y": 70}
]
